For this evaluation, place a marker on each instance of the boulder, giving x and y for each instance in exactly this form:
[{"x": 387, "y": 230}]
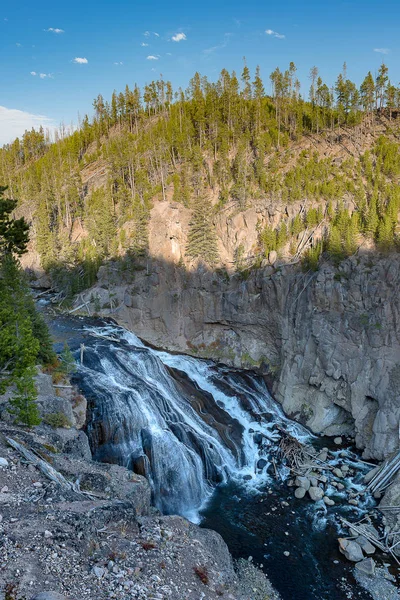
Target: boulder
[
  {"x": 302, "y": 482},
  {"x": 367, "y": 566},
  {"x": 3, "y": 462},
  {"x": 338, "y": 440},
  {"x": 316, "y": 493},
  {"x": 338, "y": 473},
  {"x": 350, "y": 549},
  {"x": 328, "y": 501},
  {"x": 300, "y": 492},
  {"x": 366, "y": 546},
  {"x": 261, "y": 463}
]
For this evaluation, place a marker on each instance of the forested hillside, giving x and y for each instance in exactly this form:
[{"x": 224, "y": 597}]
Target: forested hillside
[{"x": 332, "y": 154}]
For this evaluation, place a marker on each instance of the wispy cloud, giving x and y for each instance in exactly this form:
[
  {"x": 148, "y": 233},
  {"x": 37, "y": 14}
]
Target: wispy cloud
[
  {"x": 144, "y": 45},
  {"x": 119, "y": 63},
  {"x": 223, "y": 44},
  {"x": 14, "y": 123},
  {"x": 80, "y": 61},
  {"x": 42, "y": 75},
  {"x": 18, "y": 45},
  {"x": 149, "y": 33},
  {"x": 55, "y": 30},
  {"x": 179, "y": 37},
  {"x": 280, "y": 36},
  {"x": 152, "y": 57},
  {"x": 382, "y": 50}
]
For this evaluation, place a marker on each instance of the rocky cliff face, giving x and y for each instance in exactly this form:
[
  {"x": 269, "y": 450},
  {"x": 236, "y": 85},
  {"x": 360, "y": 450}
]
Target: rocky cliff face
[{"x": 330, "y": 340}]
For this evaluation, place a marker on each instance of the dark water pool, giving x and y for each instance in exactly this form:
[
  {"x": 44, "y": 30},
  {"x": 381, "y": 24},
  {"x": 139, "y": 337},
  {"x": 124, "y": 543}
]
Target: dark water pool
[{"x": 314, "y": 569}]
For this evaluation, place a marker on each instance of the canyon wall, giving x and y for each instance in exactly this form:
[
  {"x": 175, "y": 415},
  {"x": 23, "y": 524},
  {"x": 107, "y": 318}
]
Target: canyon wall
[{"x": 328, "y": 341}]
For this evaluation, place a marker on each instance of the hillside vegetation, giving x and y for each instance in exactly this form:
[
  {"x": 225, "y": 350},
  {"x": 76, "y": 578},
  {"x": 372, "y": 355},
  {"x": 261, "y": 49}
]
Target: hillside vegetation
[{"x": 334, "y": 157}]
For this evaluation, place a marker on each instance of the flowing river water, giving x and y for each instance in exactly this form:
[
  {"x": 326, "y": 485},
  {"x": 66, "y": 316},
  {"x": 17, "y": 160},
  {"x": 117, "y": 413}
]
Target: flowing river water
[{"x": 205, "y": 436}]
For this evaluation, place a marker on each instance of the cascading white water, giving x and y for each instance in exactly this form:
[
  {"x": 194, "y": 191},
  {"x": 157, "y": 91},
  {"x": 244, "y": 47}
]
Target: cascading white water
[{"x": 183, "y": 422}]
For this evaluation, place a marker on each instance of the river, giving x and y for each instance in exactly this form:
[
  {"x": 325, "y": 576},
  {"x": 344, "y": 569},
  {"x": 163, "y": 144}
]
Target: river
[{"x": 205, "y": 435}]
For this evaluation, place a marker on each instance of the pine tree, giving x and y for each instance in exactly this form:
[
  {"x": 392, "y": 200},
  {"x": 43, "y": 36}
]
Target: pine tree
[
  {"x": 24, "y": 407},
  {"x": 14, "y": 236},
  {"x": 202, "y": 239}
]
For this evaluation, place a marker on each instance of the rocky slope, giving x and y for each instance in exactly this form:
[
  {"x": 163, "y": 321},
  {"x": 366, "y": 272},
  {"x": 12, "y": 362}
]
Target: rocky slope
[{"x": 102, "y": 539}]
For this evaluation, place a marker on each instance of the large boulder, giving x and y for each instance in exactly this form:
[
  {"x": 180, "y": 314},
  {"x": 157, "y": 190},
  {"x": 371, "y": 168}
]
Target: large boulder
[
  {"x": 366, "y": 566},
  {"x": 351, "y": 550},
  {"x": 316, "y": 493},
  {"x": 302, "y": 482}
]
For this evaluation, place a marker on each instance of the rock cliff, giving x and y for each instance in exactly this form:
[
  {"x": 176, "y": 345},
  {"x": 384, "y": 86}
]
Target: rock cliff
[{"x": 329, "y": 341}]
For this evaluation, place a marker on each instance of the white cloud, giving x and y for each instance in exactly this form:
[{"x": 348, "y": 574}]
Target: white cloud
[
  {"x": 42, "y": 75},
  {"x": 208, "y": 51},
  {"x": 118, "y": 63},
  {"x": 144, "y": 45},
  {"x": 382, "y": 50},
  {"x": 146, "y": 34},
  {"x": 178, "y": 37},
  {"x": 80, "y": 61},
  {"x": 55, "y": 30},
  {"x": 280, "y": 36},
  {"x": 151, "y": 57},
  {"x": 14, "y": 123},
  {"x": 18, "y": 45},
  {"x": 156, "y": 34}
]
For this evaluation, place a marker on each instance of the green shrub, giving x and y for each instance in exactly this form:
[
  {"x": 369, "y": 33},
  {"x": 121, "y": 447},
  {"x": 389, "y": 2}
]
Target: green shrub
[{"x": 57, "y": 419}]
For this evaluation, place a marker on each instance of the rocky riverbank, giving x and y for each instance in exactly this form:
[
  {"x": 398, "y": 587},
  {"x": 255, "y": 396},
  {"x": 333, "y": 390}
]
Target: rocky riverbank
[{"x": 101, "y": 539}]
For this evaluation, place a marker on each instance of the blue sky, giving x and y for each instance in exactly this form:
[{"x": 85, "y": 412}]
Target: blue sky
[{"x": 43, "y": 82}]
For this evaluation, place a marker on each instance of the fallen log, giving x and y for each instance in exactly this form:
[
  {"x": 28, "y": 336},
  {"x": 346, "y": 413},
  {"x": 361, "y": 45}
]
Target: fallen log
[{"x": 46, "y": 469}]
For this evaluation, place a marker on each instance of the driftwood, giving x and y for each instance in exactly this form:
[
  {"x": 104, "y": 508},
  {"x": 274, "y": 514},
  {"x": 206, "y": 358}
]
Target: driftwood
[
  {"x": 78, "y": 307},
  {"x": 373, "y": 540},
  {"x": 384, "y": 475},
  {"x": 46, "y": 469},
  {"x": 62, "y": 386}
]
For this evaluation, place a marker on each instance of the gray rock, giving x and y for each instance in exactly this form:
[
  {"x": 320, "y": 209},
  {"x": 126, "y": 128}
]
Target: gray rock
[
  {"x": 98, "y": 571},
  {"x": 338, "y": 473},
  {"x": 350, "y": 549},
  {"x": 314, "y": 481},
  {"x": 300, "y": 492},
  {"x": 48, "y": 596},
  {"x": 338, "y": 441},
  {"x": 328, "y": 501},
  {"x": 366, "y": 546},
  {"x": 353, "y": 502},
  {"x": 302, "y": 482},
  {"x": 366, "y": 566},
  {"x": 3, "y": 462},
  {"x": 316, "y": 493}
]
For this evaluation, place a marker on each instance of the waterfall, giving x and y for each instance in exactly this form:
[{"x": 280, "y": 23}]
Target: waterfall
[{"x": 185, "y": 423}]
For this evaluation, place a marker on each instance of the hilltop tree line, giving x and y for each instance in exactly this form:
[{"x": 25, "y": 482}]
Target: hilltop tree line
[{"x": 213, "y": 143}]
